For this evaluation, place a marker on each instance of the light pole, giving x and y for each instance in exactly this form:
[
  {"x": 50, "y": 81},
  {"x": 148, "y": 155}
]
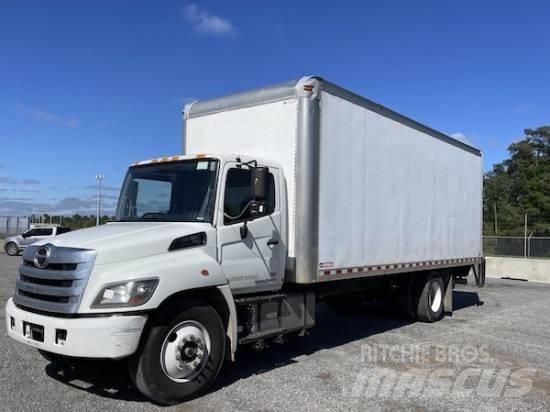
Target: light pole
[{"x": 99, "y": 178}]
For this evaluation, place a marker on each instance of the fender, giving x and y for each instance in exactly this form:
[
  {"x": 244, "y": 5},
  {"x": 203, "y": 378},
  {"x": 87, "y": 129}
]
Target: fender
[
  {"x": 177, "y": 272},
  {"x": 232, "y": 324}
]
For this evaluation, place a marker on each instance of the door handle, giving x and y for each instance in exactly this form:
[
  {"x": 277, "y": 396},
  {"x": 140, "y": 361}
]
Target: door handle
[{"x": 272, "y": 242}]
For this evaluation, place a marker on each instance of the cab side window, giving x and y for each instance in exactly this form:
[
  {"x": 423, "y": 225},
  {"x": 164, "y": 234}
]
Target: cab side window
[{"x": 238, "y": 195}]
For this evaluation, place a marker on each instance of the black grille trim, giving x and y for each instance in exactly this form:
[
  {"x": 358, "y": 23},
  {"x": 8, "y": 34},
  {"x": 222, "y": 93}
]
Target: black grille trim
[
  {"x": 47, "y": 298},
  {"x": 47, "y": 282},
  {"x": 53, "y": 266}
]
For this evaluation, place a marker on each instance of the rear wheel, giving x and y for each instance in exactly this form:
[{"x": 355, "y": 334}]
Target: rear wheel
[
  {"x": 181, "y": 356},
  {"x": 12, "y": 249},
  {"x": 429, "y": 298}
]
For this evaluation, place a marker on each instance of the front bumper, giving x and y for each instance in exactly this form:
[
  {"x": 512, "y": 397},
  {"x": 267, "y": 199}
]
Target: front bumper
[{"x": 113, "y": 337}]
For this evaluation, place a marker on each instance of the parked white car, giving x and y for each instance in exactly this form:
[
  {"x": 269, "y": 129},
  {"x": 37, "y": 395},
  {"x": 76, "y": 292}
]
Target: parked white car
[{"x": 16, "y": 244}]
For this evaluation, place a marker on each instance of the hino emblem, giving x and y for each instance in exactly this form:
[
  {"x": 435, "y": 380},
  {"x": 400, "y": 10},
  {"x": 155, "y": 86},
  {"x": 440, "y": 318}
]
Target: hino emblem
[{"x": 42, "y": 256}]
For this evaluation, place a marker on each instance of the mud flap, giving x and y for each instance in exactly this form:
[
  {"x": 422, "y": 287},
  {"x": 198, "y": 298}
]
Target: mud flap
[
  {"x": 479, "y": 273},
  {"x": 448, "y": 298}
]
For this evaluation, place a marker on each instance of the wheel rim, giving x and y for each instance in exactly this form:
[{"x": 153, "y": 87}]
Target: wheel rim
[
  {"x": 436, "y": 296},
  {"x": 12, "y": 249},
  {"x": 185, "y": 351}
]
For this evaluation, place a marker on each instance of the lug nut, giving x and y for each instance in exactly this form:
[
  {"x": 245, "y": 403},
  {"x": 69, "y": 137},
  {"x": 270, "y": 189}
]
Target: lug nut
[{"x": 178, "y": 356}]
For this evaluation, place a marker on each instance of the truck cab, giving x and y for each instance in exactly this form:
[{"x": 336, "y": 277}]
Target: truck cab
[
  {"x": 192, "y": 233},
  {"x": 215, "y": 193}
]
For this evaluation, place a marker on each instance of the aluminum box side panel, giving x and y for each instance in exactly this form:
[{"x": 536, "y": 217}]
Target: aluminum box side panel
[
  {"x": 264, "y": 130},
  {"x": 389, "y": 193}
]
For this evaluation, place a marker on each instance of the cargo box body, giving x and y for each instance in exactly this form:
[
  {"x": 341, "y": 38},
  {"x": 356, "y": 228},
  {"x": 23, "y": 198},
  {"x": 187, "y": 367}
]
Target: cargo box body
[{"x": 370, "y": 192}]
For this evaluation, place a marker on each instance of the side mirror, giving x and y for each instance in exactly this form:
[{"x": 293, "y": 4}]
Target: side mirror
[
  {"x": 259, "y": 183},
  {"x": 25, "y": 235}
]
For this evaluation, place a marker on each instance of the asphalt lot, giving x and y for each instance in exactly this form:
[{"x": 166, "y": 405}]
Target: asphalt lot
[{"x": 494, "y": 354}]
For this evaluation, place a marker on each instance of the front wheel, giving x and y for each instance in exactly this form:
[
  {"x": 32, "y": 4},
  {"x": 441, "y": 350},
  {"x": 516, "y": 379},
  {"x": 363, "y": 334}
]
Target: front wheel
[
  {"x": 12, "y": 249},
  {"x": 181, "y": 356}
]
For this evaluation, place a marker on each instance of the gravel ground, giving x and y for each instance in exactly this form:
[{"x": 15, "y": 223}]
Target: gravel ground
[{"x": 493, "y": 354}]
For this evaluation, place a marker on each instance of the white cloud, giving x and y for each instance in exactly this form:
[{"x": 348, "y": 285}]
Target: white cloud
[
  {"x": 14, "y": 181},
  {"x": 20, "y": 206},
  {"x": 204, "y": 22},
  {"x": 44, "y": 116},
  {"x": 103, "y": 188}
]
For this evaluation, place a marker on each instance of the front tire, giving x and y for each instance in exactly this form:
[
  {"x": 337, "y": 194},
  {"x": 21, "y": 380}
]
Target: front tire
[
  {"x": 182, "y": 355},
  {"x": 12, "y": 249}
]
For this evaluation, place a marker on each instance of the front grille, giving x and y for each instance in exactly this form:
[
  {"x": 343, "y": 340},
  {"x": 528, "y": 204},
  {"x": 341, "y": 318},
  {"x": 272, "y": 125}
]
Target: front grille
[{"x": 58, "y": 286}]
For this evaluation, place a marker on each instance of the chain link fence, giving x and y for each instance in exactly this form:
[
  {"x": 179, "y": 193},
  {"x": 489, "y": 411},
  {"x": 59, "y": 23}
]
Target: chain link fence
[
  {"x": 517, "y": 246},
  {"x": 13, "y": 225}
]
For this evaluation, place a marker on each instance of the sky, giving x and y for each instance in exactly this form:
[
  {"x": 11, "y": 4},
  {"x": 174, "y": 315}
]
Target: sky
[{"x": 90, "y": 87}]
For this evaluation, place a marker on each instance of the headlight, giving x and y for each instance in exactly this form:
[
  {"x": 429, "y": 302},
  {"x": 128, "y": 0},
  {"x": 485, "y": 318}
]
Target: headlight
[{"x": 132, "y": 293}]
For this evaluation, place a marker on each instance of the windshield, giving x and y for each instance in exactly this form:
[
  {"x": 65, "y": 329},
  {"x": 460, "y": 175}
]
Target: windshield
[{"x": 180, "y": 191}]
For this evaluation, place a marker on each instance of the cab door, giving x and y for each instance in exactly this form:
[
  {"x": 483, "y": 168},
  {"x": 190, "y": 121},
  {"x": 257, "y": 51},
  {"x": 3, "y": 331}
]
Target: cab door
[{"x": 254, "y": 262}]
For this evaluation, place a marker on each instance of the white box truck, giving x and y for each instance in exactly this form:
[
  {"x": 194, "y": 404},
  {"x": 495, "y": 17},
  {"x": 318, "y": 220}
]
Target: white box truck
[{"x": 286, "y": 196}]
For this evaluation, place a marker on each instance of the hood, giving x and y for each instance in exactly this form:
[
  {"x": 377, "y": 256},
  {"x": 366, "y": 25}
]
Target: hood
[
  {"x": 119, "y": 241},
  {"x": 13, "y": 239}
]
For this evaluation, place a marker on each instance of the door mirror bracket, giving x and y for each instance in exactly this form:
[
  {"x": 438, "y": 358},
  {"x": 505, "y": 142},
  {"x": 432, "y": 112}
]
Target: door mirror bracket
[{"x": 244, "y": 230}]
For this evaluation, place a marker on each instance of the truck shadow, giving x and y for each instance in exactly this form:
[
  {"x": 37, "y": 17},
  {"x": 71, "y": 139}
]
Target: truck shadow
[
  {"x": 331, "y": 330},
  {"x": 110, "y": 379},
  {"x": 463, "y": 299}
]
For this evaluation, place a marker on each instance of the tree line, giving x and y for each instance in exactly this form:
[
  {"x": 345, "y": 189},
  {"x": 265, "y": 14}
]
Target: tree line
[
  {"x": 519, "y": 187},
  {"x": 75, "y": 221}
]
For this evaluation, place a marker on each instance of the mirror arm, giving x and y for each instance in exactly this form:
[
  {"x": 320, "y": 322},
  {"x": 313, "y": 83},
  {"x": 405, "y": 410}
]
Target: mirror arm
[{"x": 244, "y": 230}]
